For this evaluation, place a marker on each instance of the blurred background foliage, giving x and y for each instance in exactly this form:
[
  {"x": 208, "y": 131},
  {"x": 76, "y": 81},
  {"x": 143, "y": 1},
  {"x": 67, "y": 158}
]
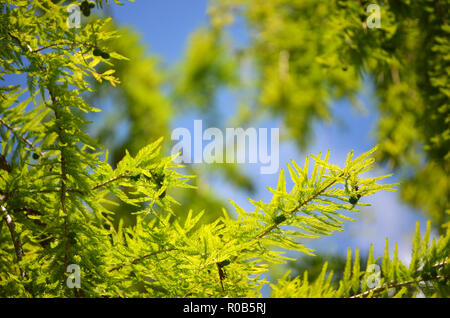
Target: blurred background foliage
[{"x": 300, "y": 56}]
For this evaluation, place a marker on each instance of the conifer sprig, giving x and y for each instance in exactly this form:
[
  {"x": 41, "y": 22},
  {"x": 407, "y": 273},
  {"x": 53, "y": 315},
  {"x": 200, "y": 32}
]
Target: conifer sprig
[{"x": 428, "y": 274}]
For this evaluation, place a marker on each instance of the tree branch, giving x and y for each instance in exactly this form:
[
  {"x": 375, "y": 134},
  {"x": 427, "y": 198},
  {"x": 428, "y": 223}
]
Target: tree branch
[
  {"x": 15, "y": 238},
  {"x": 63, "y": 183},
  {"x": 62, "y": 43},
  {"x": 25, "y": 140},
  {"x": 401, "y": 284},
  {"x": 300, "y": 205},
  {"x": 138, "y": 259},
  {"x": 4, "y": 165},
  {"x": 396, "y": 285},
  {"x": 101, "y": 185}
]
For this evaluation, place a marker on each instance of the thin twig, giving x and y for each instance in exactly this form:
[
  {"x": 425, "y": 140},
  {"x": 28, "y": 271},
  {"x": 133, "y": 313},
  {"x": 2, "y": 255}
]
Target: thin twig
[
  {"x": 25, "y": 140},
  {"x": 20, "y": 42},
  {"x": 63, "y": 43},
  {"x": 396, "y": 285},
  {"x": 317, "y": 194},
  {"x": 300, "y": 205},
  {"x": 138, "y": 259},
  {"x": 400, "y": 284},
  {"x": 109, "y": 181}
]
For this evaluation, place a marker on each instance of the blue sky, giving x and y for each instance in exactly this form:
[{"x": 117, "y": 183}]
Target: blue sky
[{"x": 164, "y": 25}]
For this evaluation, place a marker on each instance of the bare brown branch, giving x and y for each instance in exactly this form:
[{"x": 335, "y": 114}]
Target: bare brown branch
[{"x": 15, "y": 238}]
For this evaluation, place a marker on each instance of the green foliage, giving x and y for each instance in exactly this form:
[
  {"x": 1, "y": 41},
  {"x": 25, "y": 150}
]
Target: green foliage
[
  {"x": 163, "y": 252},
  {"x": 427, "y": 275},
  {"x": 58, "y": 192}
]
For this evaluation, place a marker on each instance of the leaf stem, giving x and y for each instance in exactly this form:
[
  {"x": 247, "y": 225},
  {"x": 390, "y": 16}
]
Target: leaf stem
[
  {"x": 138, "y": 259},
  {"x": 390, "y": 285},
  {"x": 63, "y": 183},
  {"x": 22, "y": 138},
  {"x": 300, "y": 205}
]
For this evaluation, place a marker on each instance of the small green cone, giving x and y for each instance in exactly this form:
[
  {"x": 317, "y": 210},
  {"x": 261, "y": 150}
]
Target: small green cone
[
  {"x": 105, "y": 55},
  {"x": 97, "y": 52}
]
